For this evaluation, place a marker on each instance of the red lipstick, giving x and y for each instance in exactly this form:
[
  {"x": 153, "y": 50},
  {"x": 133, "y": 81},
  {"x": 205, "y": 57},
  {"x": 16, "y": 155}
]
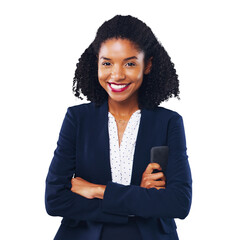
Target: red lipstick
[{"x": 118, "y": 89}]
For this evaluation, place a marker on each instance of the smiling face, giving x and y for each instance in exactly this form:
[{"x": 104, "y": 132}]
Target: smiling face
[{"x": 121, "y": 69}]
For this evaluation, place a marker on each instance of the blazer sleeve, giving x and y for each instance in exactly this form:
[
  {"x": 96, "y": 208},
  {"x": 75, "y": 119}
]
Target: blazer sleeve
[
  {"x": 59, "y": 199},
  {"x": 172, "y": 202}
]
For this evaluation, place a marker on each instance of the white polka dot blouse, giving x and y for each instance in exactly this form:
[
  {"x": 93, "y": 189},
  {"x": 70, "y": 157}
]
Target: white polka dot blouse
[{"x": 121, "y": 158}]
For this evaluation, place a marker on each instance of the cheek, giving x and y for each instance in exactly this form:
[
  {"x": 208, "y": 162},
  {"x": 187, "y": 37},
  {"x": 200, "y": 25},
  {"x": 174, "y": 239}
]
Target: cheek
[
  {"x": 136, "y": 75},
  {"x": 102, "y": 75}
]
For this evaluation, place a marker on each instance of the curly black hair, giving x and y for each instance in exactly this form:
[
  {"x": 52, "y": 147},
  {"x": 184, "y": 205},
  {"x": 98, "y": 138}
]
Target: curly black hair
[{"x": 157, "y": 86}]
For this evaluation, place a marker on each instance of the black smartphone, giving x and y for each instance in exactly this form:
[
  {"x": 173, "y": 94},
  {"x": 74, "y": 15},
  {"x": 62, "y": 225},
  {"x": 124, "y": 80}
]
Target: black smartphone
[{"x": 159, "y": 154}]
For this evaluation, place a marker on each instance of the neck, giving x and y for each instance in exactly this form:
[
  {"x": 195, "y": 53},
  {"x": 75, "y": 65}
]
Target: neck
[{"x": 122, "y": 110}]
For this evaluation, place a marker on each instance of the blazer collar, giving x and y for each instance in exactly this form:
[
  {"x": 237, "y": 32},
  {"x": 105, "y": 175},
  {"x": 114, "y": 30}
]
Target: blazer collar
[{"x": 144, "y": 142}]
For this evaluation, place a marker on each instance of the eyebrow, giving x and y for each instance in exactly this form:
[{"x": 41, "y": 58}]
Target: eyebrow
[{"x": 125, "y": 59}]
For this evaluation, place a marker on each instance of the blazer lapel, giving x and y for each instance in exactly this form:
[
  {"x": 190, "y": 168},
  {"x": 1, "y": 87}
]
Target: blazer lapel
[
  {"x": 144, "y": 142},
  {"x": 99, "y": 123}
]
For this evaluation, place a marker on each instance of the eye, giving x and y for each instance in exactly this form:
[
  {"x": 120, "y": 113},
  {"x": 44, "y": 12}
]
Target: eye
[
  {"x": 131, "y": 64},
  {"x": 106, "y": 63}
]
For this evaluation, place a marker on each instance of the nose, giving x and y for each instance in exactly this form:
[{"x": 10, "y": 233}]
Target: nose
[{"x": 117, "y": 73}]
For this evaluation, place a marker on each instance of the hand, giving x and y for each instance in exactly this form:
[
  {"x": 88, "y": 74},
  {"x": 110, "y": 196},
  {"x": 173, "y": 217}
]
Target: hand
[
  {"x": 87, "y": 189},
  {"x": 149, "y": 178}
]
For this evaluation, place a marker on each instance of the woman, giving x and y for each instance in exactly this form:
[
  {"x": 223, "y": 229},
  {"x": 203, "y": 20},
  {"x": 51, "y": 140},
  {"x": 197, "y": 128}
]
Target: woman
[{"x": 101, "y": 180}]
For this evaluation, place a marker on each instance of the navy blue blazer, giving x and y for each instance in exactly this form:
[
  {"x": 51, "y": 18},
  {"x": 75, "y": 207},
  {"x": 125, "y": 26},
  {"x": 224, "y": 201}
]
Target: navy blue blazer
[{"x": 83, "y": 150}]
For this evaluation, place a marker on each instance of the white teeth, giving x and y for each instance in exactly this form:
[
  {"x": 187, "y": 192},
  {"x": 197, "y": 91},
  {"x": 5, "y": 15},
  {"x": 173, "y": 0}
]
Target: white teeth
[{"x": 118, "y": 86}]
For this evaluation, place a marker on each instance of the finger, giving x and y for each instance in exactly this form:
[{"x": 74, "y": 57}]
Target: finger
[
  {"x": 160, "y": 188},
  {"x": 162, "y": 178},
  {"x": 72, "y": 180},
  {"x": 156, "y": 176},
  {"x": 78, "y": 178},
  {"x": 159, "y": 184},
  {"x": 152, "y": 166}
]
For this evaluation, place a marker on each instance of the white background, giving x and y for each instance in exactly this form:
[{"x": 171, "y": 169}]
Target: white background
[{"x": 41, "y": 42}]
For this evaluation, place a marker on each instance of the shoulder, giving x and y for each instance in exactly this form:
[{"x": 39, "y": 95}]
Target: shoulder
[
  {"x": 81, "y": 107},
  {"x": 171, "y": 120},
  {"x": 167, "y": 118},
  {"x": 79, "y": 110},
  {"x": 165, "y": 113}
]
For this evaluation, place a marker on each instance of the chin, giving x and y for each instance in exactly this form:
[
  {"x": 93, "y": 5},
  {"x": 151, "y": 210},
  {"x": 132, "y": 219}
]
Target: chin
[{"x": 119, "y": 100}]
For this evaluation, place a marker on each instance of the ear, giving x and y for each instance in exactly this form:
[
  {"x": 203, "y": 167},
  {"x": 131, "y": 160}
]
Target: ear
[{"x": 148, "y": 66}]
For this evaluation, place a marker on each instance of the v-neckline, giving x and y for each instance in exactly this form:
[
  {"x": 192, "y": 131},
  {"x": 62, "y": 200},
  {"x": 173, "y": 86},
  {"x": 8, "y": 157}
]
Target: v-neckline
[
  {"x": 120, "y": 143},
  {"x": 100, "y": 131}
]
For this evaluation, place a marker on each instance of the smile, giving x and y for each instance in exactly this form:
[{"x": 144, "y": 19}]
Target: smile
[{"x": 118, "y": 88}]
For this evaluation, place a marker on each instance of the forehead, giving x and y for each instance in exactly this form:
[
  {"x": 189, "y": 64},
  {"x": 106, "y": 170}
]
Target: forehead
[{"x": 119, "y": 48}]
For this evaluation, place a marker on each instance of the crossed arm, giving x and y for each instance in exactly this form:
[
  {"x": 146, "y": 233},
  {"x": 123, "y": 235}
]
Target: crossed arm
[
  {"x": 80, "y": 200},
  {"x": 91, "y": 190}
]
